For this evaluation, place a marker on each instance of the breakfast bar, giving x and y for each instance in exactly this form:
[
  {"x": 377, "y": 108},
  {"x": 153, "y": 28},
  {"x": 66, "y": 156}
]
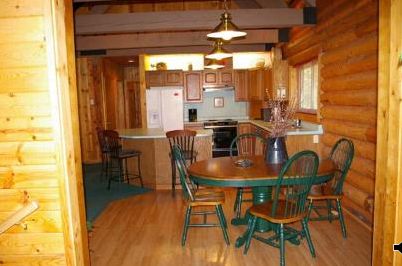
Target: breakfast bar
[{"x": 154, "y": 146}]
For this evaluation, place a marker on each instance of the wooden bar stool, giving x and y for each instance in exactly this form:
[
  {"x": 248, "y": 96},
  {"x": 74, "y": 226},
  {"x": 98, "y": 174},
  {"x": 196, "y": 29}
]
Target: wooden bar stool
[
  {"x": 117, "y": 154},
  {"x": 185, "y": 140},
  {"x": 104, "y": 151}
]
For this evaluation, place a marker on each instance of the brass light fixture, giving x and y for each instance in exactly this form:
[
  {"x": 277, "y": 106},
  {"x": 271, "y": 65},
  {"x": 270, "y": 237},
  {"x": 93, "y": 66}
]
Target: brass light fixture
[
  {"x": 214, "y": 64},
  {"x": 218, "y": 52},
  {"x": 226, "y": 30}
]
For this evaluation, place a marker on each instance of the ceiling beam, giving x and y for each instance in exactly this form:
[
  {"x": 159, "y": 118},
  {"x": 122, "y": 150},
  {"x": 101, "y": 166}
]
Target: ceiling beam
[
  {"x": 271, "y": 3},
  {"x": 247, "y": 4},
  {"x": 186, "y": 20},
  {"x": 99, "y": 9},
  {"x": 125, "y": 2},
  {"x": 180, "y": 50},
  {"x": 167, "y": 39}
]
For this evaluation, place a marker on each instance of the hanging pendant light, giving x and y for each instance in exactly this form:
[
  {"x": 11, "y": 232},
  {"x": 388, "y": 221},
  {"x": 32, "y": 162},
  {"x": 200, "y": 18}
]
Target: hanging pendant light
[
  {"x": 214, "y": 64},
  {"x": 218, "y": 52},
  {"x": 226, "y": 30}
]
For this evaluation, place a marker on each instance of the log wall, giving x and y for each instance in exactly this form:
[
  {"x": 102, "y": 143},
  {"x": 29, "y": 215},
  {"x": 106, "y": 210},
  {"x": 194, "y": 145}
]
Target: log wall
[
  {"x": 345, "y": 41},
  {"x": 38, "y": 135}
]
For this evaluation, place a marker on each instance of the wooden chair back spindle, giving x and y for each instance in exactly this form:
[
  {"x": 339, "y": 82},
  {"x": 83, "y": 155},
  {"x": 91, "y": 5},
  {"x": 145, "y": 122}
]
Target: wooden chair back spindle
[
  {"x": 189, "y": 188},
  {"x": 301, "y": 168},
  {"x": 112, "y": 142},
  {"x": 248, "y": 144},
  {"x": 183, "y": 138},
  {"x": 342, "y": 156}
]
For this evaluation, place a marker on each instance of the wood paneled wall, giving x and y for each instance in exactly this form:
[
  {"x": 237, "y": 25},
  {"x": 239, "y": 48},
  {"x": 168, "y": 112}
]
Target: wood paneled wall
[
  {"x": 39, "y": 145},
  {"x": 345, "y": 39},
  {"x": 91, "y": 102},
  {"x": 109, "y": 97}
]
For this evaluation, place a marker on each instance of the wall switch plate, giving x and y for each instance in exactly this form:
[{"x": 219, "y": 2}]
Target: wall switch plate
[
  {"x": 92, "y": 102},
  {"x": 315, "y": 139}
]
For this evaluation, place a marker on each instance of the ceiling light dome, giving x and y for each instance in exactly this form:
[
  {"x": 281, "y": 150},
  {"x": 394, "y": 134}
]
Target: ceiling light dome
[
  {"x": 226, "y": 30},
  {"x": 214, "y": 64},
  {"x": 218, "y": 52}
]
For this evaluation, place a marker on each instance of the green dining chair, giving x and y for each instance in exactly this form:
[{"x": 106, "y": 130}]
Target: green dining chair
[
  {"x": 248, "y": 144},
  {"x": 199, "y": 198},
  {"x": 288, "y": 205},
  {"x": 342, "y": 156}
]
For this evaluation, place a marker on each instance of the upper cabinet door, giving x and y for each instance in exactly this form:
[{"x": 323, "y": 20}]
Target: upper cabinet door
[
  {"x": 256, "y": 85},
  {"x": 193, "y": 86},
  {"x": 174, "y": 78},
  {"x": 218, "y": 78},
  {"x": 154, "y": 78},
  {"x": 226, "y": 77},
  {"x": 241, "y": 85},
  {"x": 210, "y": 78}
]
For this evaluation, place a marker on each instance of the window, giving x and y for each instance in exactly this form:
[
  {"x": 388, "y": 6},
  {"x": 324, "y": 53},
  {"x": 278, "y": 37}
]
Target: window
[{"x": 308, "y": 87}]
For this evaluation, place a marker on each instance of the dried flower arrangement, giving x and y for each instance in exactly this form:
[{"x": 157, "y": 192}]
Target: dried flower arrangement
[{"x": 282, "y": 113}]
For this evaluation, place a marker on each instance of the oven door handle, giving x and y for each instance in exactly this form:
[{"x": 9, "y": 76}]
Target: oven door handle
[{"x": 212, "y": 127}]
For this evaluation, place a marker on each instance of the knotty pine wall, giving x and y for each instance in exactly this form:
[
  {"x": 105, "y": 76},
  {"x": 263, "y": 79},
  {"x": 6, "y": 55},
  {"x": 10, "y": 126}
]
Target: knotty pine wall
[
  {"x": 345, "y": 41},
  {"x": 108, "y": 97},
  {"x": 37, "y": 135},
  {"x": 91, "y": 106}
]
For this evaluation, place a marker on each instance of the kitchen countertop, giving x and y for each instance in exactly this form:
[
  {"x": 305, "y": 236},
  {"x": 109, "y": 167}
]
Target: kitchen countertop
[
  {"x": 153, "y": 133},
  {"x": 306, "y": 128}
]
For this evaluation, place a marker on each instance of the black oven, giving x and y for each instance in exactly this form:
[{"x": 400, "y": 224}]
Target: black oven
[{"x": 224, "y": 131}]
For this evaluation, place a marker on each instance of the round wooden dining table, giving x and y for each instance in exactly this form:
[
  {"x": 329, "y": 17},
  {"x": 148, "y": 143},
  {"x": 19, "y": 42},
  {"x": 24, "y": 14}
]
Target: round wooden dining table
[{"x": 260, "y": 176}]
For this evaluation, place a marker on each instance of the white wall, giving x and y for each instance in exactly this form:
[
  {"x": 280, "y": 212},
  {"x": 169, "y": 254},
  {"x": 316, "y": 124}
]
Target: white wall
[{"x": 206, "y": 109}]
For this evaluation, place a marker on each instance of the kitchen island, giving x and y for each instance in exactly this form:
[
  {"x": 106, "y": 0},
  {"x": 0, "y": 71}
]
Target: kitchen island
[{"x": 155, "y": 161}]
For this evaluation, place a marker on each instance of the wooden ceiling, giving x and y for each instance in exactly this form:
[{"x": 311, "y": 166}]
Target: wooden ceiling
[{"x": 164, "y": 26}]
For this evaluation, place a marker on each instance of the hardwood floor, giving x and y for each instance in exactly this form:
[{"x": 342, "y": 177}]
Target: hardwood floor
[{"x": 146, "y": 230}]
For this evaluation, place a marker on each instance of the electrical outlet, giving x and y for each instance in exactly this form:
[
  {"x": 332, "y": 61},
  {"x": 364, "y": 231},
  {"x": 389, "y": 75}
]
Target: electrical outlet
[{"x": 315, "y": 139}]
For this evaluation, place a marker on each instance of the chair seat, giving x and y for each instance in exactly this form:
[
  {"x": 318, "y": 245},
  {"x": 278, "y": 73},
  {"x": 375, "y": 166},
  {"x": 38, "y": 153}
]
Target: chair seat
[
  {"x": 264, "y": 210},
  {"x": 127, "y": 154},
  {"x": 325, "y": 193}
]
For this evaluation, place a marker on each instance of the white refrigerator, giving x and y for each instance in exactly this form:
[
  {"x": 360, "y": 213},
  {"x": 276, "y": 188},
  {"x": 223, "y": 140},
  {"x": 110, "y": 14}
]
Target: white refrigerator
[{"x": 165, "y": 108}]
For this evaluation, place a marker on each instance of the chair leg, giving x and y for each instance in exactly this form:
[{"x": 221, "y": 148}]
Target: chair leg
[
  {"x": 236, "y": 200},
  {"x": 125, "y": 168},
  {"x": 173, "y": 173},
  {"x": 282, "y": 245},
  {"x": 329, "y": 208},
  {"x": 110, "y": 174},
  {"x": 306, "y": 232},
  {"x": 240, "y": 199},
  {"x": 341, "y": 219},
  {"x": 251, "y": 228},
  {"x": 139, "y": 170},
  {"x": 186, "y": 224},
  {"x": 121, "y": 170},
  {"x": 103, "y": 169},
  {"x": 223, "y": 216},
  {"x": 310, "y": 208},
  {"x": 222, "y": 223}
]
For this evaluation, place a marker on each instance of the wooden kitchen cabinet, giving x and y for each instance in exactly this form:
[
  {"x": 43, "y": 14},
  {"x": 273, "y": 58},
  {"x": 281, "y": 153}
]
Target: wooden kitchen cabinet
[
  {"x": 164, "y": 78},
  {"x": 154, "y": 78},
  {"x": 243, "y": 128},
  {"x": 241, "y": 85},
  {"x": 256, "y": 85},
  {"x": 174, "y": 78},
  {"x": 218, "y": 78},
  {"x": 193, "y": 86}
]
